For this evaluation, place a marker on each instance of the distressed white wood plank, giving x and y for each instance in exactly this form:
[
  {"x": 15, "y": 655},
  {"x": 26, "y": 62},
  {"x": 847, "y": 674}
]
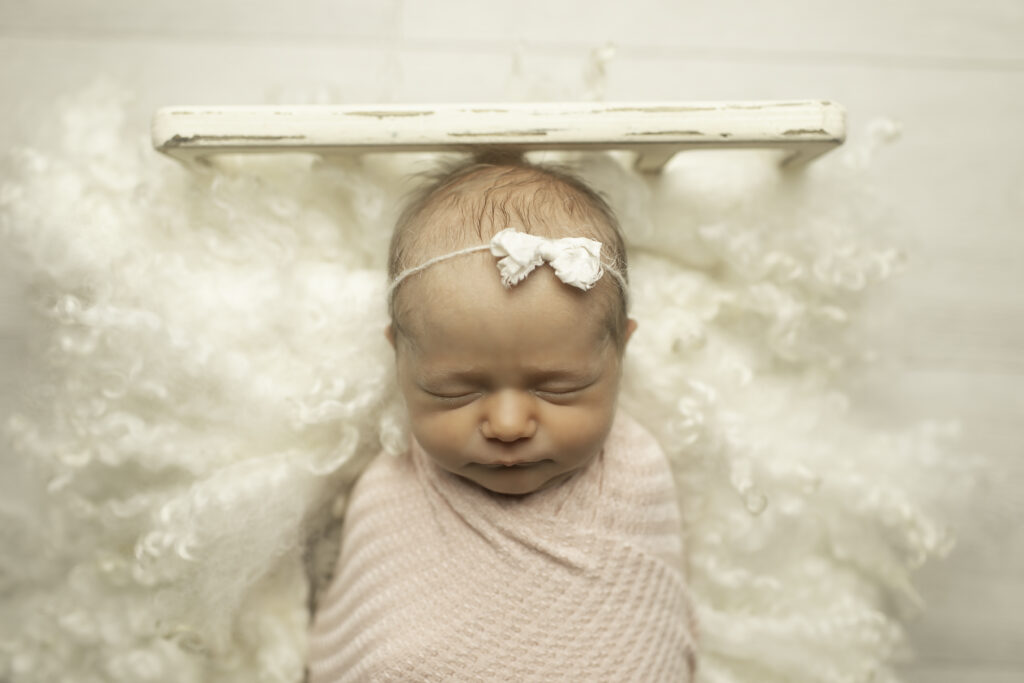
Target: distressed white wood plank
[
  {"x": 972, "y": 598},
  {"x": 958, "y": 309},
  {"x": 956, "y": 672},
  {"x": 865, "y": 88},
  {"x": 935, "y": 32},
  {"x": 203, "y": 19},
  {"x": 928, "y": 34},
  {"x": 990, "y": 543},
  {"x": 989, "y": 404},
  {"x": 38, "y": 73},
  {"x": 654, "y": 131},
  {"x": 971, "y": 620},
  {"x": 955, "y": 332}
]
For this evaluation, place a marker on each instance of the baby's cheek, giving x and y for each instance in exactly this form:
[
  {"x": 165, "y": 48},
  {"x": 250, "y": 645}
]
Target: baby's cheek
[
  {"x": 582, "y": 426},
  {"x": 439, "y": 433}
]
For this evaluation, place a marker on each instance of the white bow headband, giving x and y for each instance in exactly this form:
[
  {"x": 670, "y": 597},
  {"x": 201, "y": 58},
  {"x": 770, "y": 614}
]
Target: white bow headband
[{"x": 575, "y": 260}]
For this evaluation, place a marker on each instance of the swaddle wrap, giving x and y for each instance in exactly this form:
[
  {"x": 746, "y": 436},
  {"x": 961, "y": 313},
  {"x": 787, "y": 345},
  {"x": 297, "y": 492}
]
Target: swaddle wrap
[{"x": 441, "y": 580}]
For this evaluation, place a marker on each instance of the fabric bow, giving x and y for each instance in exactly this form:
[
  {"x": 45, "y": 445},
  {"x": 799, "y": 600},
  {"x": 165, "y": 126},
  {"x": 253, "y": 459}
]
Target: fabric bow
[{"x": 575, "y": 260}]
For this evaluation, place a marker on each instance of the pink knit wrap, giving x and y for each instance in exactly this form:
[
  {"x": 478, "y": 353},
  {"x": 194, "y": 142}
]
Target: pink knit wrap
[{"x": 441, "y": 580}]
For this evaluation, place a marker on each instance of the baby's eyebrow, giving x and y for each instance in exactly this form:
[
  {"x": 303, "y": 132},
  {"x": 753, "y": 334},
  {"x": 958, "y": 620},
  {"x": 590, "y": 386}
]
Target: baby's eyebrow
[
  {"x": 532, "y": 374},
  {"x": 450, "y": 375},
  {"x": 550, "y": 374}
]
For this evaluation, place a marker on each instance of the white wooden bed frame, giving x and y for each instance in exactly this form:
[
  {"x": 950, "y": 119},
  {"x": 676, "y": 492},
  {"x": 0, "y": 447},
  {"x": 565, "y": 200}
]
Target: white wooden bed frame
[{"x": 803, "y": 130}]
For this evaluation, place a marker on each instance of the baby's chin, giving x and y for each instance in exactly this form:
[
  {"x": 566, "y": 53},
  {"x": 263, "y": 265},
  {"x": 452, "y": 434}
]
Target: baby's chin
[{"x": 517, "y": 483}]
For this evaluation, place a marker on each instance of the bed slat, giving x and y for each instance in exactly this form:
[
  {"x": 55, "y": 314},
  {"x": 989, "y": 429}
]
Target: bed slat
[{"x": 804, "y": 130}]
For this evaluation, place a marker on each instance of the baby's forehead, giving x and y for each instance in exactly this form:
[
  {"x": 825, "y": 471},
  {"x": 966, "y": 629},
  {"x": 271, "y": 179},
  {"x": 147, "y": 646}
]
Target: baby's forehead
[{"x": 464, "y": 298}]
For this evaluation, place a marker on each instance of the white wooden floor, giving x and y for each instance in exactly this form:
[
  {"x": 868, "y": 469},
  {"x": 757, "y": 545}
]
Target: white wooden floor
[{"x": 951, "y": 71}]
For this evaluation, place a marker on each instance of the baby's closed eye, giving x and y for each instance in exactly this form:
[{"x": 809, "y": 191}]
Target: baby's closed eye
[
  {"x": 452, "y": 395},
  {"x": 562, "y": 392},
  {"x": 551, "y": 393}
]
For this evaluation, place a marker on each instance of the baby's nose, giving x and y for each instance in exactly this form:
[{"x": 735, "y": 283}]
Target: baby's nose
[{"x": 509, "y": 416}]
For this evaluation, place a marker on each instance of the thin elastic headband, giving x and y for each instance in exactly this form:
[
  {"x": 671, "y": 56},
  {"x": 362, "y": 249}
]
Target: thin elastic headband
[{"x": 575, "y": 260}]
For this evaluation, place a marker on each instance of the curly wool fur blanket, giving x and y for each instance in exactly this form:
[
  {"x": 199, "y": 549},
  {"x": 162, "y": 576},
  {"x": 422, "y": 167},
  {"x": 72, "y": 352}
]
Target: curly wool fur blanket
[{"x": 204, "y": 374}]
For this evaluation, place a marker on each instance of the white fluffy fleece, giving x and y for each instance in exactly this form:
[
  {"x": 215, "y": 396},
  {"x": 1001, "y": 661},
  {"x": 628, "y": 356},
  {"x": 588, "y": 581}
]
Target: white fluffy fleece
[{"x": 208, "y": 372}]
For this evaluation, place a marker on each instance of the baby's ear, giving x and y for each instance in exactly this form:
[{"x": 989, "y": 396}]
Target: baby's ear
[
  {"x": 389, "y": 332},
  {"x": 630, "y": 329}
]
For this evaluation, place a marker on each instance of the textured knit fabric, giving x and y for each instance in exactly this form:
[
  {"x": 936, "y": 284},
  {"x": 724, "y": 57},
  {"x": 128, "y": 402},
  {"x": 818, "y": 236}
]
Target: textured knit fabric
[{"x": 441, "y": 580}]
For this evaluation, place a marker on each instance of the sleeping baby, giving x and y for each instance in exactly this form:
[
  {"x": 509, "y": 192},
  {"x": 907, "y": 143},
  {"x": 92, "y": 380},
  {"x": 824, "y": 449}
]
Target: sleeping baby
[{"x": 531, "y": 532}]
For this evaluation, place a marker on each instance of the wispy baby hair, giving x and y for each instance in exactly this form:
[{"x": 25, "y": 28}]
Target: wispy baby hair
[{"x": 466, "y": 203}]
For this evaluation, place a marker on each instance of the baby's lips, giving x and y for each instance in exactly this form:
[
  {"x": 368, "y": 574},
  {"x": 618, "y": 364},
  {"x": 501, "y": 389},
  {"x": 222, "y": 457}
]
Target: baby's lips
[{"x": 517, "y": 462}]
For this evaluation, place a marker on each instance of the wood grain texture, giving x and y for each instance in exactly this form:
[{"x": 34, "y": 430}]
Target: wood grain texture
[
  {"x": 198, "y": 20},
  {"x": 953, "y": 672},
  {"x": 922, "y": 33},
  {"x": 654, "y": 131}
]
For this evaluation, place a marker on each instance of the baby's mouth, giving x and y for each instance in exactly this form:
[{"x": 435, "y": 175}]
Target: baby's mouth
[{"x": 512, "y": 464}]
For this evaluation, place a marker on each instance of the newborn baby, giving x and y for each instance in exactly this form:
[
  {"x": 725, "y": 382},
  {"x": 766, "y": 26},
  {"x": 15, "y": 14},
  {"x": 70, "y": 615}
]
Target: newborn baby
[{"x": 531, "y": 532}]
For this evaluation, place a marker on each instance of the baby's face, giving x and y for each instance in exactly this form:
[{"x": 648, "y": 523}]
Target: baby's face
[{"x": 513, "y": 389}]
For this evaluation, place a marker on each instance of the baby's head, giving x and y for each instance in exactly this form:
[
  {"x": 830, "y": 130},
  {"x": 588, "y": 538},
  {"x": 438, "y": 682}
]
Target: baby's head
[{"x": 513, "y": 388}]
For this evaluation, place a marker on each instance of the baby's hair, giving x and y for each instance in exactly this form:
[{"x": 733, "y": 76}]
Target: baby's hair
[{"x": 465, "y": 203}]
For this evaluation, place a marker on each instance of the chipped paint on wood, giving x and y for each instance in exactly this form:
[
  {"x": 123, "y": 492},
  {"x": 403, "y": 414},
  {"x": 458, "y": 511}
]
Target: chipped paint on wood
[
  {"x": 503, "y": 133},
  {"x": 805, "y": 131},
  {"x": 658, "y": 109},
  {"x": 390, "y": 114},
  {"x": 655, "y": 131},
  {"x": 179, "y": 140},
  {"x": 766, "y": 105},
  {"x": 667, "y": 132}
]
